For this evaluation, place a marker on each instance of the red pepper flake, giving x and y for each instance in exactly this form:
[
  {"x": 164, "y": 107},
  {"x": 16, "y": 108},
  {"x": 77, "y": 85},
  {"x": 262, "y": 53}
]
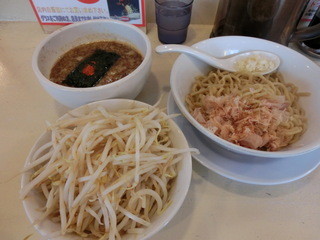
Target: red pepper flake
[{"x": 88, "y": 70}]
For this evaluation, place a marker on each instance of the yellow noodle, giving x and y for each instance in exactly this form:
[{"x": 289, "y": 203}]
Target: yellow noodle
[{"x": 253, "y": 88}]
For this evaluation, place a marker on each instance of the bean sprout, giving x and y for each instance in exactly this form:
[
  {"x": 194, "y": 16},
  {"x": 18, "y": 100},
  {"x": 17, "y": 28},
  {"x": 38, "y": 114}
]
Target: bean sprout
[{"x": 105, "y": 174}]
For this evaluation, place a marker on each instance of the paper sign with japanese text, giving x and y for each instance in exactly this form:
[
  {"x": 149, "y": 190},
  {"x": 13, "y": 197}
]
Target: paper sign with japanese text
[{"x": 62, "y": 12}]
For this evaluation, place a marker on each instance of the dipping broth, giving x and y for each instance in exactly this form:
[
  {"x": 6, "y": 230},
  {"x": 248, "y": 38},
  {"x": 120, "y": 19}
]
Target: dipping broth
[{"x": 128, "y": 61}]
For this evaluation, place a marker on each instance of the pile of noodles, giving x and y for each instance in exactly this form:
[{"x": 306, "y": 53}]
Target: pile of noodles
[
  {"x": 105, "y": 174},
  {"x": 250, "y": 92}
]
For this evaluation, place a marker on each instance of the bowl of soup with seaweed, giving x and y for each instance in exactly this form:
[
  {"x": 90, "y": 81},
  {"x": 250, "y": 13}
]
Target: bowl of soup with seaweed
[
  {"x": 93, "y": 60},
  {"x": 95, "y": 64}
]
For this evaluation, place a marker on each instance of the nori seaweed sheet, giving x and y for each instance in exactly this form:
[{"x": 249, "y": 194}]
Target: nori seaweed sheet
[{"x": 100, "y": 62}]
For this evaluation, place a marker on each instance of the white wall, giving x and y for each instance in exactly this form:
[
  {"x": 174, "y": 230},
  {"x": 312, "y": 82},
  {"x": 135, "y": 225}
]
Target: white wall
[{"x": 20, "y": 10}]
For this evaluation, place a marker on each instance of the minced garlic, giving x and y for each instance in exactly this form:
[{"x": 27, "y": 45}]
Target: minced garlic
[{"x": 254, "y": 63}]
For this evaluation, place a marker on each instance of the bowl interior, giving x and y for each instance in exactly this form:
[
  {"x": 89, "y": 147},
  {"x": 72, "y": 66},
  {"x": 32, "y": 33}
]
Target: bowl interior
[
  {"x": 178, "y": 192},
  {"x": 76, "y": 34},
  {"x": 294, "y": 67}
]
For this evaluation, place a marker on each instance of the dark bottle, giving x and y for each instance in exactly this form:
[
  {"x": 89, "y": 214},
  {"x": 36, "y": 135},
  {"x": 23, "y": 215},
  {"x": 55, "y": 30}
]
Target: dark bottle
[
  {"x": 248, "y": 18},
  {"x": 274, "y": 20},
  {"x": 314, "y": 43}
]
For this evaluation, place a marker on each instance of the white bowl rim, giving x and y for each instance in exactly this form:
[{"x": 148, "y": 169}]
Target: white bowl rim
[
  {"x": 44, "y": 79},
  {"x": 187, "y": 161},
  {"x": 228, "y": 145}
]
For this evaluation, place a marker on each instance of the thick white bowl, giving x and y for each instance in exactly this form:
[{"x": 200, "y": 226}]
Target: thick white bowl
[
  {"x": 64, "y": 39},
  {"x": 33, "y": 202},
  {"x": 294, "y": 67}
]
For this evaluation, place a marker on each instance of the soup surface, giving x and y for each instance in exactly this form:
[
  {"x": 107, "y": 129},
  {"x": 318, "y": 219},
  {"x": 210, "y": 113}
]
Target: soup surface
[{"x": 129, "y": 60}]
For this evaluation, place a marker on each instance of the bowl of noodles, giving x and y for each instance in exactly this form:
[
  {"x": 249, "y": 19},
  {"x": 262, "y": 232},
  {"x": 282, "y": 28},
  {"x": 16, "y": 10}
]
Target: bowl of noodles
[
  {"x": 274, "y": 115},
  {"x": 114, "y": 169}
]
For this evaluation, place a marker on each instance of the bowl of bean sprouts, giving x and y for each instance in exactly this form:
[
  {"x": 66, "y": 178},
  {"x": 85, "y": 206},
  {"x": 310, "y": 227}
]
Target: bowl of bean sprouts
[{"x": 113, "y": 169}]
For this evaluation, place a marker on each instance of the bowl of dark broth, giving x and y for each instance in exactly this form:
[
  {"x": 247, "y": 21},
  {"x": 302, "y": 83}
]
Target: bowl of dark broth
[
  {"x": 95, "y": 64},
  {"x": 93, "y": 60}
]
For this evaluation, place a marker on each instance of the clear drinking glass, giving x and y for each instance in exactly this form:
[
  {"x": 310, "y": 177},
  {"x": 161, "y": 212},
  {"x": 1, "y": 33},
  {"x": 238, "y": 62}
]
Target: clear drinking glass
[{"x": 173, "y": 18}]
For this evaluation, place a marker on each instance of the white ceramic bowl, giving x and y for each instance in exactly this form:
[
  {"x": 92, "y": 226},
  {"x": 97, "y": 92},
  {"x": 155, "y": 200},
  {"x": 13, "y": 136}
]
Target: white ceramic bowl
[
  {"x": 34, "y": 200},
  {"x": 294, "y": 67},
  {"x": 64, "y": 39}
]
